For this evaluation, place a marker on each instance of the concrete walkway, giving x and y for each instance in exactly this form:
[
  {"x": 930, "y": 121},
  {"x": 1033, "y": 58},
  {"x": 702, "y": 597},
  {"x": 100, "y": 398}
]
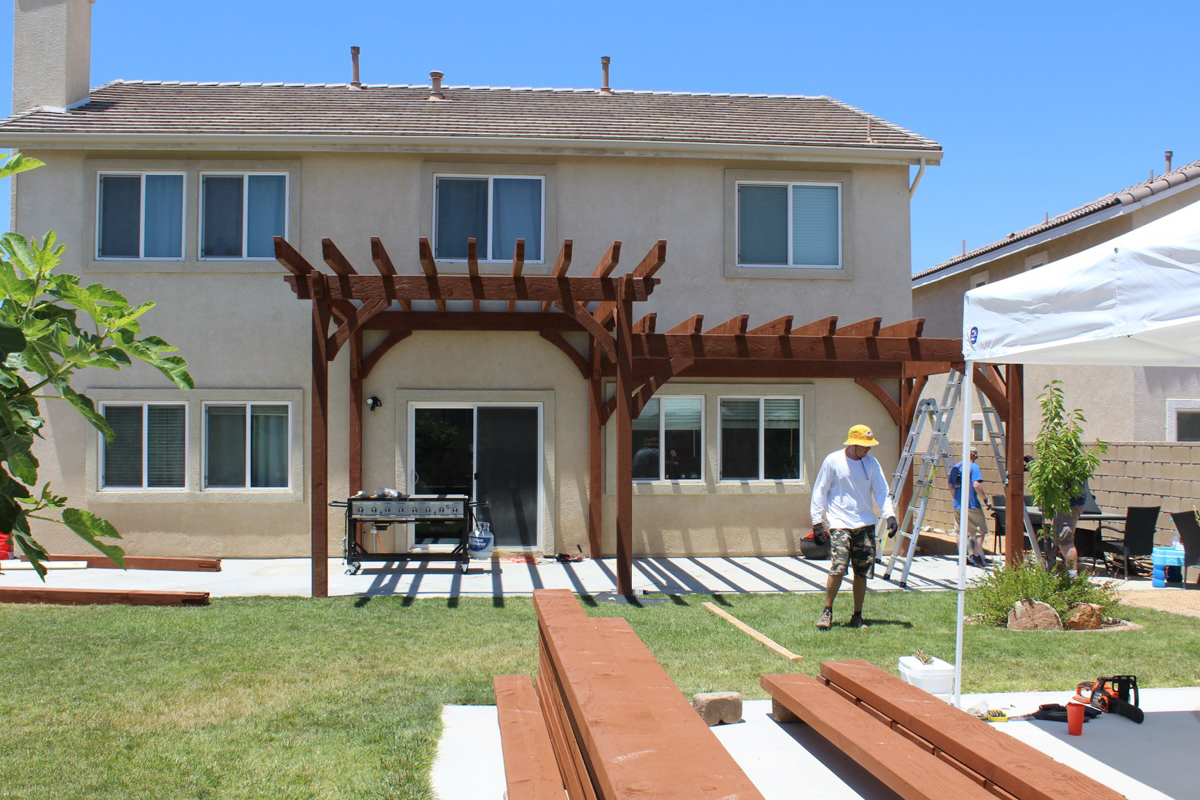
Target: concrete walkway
[{"x": 496, "y": 578}]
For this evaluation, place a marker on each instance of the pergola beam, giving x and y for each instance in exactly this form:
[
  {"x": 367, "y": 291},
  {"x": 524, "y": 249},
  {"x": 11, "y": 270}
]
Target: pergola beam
[
  {"x": 805, "y": 348},
  {"x": 561, "y": 265}
]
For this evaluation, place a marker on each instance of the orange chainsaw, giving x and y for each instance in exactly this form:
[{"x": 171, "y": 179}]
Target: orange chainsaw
[{"x": 1113, "y": 695}]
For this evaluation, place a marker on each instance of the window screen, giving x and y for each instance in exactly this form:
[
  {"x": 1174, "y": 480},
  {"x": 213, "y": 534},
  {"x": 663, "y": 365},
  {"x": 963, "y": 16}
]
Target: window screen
[
  {"x": 494, "y": 211},
  {"x": 739, "y": 439},
  {"x": 150, "y": 449},
  {"x": 1187, "y": 426}
]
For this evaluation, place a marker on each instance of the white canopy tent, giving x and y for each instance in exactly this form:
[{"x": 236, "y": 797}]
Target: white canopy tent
[{"x": 1133, "y": 300}]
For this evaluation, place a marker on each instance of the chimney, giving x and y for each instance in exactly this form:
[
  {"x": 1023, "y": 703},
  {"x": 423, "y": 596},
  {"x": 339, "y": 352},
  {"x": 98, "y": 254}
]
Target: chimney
[
  {"x": 604, "y": 62},
  {"x": 1169, "y": 154},
  {"x": 52, "y": 49},
  {"x": 355, "y": 83},
  {"x": 435, "y": 90}
]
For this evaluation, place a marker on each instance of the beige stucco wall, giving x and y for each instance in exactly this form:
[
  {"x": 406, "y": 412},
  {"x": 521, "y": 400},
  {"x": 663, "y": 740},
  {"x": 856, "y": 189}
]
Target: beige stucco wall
[
  {"x": 52, "y": 42},
  {"x": 244, "y": 332}
]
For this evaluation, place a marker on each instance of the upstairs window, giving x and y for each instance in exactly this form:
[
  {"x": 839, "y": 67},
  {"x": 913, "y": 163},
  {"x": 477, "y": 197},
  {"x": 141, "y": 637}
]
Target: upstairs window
[
  {"x": 760, "y": 438},
  {"x": 668, "y": 440},
  {"x": 247, "y": 445},
  {"x": 1187, "y": 426},
  {"x": 494, "y": 210},
  {"x": 140, "y": 216},
  {"x": 150, "y": 447},
  {"x": 241, "y": 214},
  {"x": 789, "y": 225}
]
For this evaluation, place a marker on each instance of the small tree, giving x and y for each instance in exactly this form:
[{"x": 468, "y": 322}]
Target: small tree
[
  {"x": 51, "y": 327},
  {"x": 1061, "y": 463}
]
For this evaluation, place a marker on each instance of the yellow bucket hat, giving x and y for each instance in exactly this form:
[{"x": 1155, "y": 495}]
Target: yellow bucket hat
[{"x": 861, "y": 435}]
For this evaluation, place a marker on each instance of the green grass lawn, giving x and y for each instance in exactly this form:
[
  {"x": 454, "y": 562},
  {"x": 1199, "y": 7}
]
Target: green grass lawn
[{"x": 293, "y": 698}]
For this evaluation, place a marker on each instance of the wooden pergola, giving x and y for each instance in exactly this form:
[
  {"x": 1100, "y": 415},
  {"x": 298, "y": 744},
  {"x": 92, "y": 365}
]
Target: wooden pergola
[{"x": 347, "y": 303}]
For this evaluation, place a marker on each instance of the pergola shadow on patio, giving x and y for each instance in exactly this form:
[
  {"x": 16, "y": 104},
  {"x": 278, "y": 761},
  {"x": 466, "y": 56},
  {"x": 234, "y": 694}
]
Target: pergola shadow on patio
[{"x": 347, "y": 303}]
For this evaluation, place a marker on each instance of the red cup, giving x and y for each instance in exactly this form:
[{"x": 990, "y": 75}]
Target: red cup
[{"x": 1075, "y": 718}]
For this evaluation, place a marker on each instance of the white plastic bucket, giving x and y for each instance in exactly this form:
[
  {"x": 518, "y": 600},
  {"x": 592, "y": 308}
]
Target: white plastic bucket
[
  {"x": 480, "y": 542},
  {"x": 936, "y": 678}
]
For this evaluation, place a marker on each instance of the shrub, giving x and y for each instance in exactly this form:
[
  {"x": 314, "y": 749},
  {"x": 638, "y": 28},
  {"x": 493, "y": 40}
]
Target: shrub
[{"x": 991, "y": 597}]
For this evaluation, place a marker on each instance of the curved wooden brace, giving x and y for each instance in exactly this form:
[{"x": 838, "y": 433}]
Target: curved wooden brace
[
  {"x": 372, "y": 359},
  {"x": 892, "y": 407},
  {"x": 555, "y": 338},
  {"x": 997, "y": 395}
]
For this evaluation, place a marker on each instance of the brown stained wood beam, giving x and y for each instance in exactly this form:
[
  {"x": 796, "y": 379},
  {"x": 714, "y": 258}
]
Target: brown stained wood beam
[
  {"x": 473, "y": 270},
  {"x": 555, "y": 338},
  {"x": 868, "y": 327},
  {"x": 646, "y": 324},
  {"x": 561, "y": 265},
  {"x": 354, "y": 324},
  {"x": 595, "y": 452},
  {"x": 489, "y": 287},
  {"x": 804, "y": 348},
  {"x": 1014, "y": 440},
  {"x": 624, "y": 465},
  {"x": 926, "y": 368},
  {"x": 776, "y": 327},
  {"x": 877, "y": 391},
  {"x": 690, "y": 326},
  {"x": 296, "y": 264},
  {"x": 372, "y": 359},
  {"x": 652, "y": 261},
  {"x": 355, "y": 413},
  {"x": 820, "y": 327},
  {"x": 914, "y": 397},
  {"x": 578, "y": 313},
  {"x": 470, "y": 321},
  {"x": 432, "y": 282},
  {"x": 518, "y": 266},
  {"x": 609, "y": 262},
  {"x": 649, "y": 385},
  {"x": 383, "y": 263},
  {"x": 736, "y": 326},
  {"x": 909, "y": 328},
  {"x": 993, "y": 371},
  {"x": 318, "y": 494},
  {"x": 742, "y": 368},
  {"x": 336, "y": 261},
  {"x": 992, "y": 392}
]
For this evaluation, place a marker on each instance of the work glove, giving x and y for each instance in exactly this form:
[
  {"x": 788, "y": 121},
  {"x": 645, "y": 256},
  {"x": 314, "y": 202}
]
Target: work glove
[
  {"x": 820, "y": 535},
  {"x": 892, "y": 527}
]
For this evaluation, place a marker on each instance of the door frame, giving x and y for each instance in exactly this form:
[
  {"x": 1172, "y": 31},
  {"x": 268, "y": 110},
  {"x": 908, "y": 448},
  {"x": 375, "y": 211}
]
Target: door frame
[{"x": 410, "y": 444}]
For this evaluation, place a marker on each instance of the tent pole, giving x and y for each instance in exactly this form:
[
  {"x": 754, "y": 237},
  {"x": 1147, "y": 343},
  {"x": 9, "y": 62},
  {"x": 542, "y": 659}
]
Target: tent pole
[{"x": 965, "y": 492}]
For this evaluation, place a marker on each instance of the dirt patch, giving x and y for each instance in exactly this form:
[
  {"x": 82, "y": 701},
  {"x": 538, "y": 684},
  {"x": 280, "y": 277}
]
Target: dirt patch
[{"x": 1176, "y": 601}]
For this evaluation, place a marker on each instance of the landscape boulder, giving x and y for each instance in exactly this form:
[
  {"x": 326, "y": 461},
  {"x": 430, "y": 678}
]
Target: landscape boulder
[
  {"x": 1033, "y": 615},
  {"x": 716, "y": 708},
  {"x": 1084, "y": 617}
]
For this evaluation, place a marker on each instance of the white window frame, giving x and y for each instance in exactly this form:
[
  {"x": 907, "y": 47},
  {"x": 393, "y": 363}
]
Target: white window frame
[
  {"x": 145, "y": 406},
  {"x": 245, "y": 176},
  {"x": 249, "y": 406},
  {"x": 737, "y": 225},
  {"x": 486, "y": 258},
  {"x": 662, "y": 441},
  {"x": 142, "y": 214},
  {"x": 979, "y": 279},
  {"x": 761, "y": 434},
  {"x": 1174, "y": 406}
]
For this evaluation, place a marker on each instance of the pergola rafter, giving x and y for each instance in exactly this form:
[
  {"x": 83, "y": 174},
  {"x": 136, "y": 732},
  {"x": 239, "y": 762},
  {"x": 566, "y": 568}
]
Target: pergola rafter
[{"x": 600, "y": 306}]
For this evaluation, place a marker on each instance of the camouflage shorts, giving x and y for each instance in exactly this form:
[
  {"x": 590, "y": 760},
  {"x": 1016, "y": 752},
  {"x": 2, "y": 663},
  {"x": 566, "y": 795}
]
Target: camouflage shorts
[{"x": 852, "y": 546}]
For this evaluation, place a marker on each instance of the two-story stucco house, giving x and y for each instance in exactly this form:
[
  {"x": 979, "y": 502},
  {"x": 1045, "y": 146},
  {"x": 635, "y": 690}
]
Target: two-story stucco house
[{"x": 174, "y": 192}]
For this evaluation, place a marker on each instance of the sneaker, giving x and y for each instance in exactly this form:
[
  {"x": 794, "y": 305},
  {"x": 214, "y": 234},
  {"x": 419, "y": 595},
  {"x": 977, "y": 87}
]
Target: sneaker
[
  {"x": 985, "y": 562},
  {"x": 857, "y": 621},
  {"x": 825, "y": 622},
  {"x": 971, "y": 561}
]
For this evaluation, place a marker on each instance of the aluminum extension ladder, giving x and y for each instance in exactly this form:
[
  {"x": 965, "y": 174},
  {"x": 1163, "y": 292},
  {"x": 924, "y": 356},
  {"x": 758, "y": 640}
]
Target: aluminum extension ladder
[{"x": 937, "y": 454}]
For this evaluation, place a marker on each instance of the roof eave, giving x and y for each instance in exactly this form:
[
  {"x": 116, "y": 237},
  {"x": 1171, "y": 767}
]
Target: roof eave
[{"x": 467, "y": 144}]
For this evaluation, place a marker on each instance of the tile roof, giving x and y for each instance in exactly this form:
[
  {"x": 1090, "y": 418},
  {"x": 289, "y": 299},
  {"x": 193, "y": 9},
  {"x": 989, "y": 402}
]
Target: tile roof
[
  {"x": 1134, "y": 194},
  {"x": 153, "y": 108}
]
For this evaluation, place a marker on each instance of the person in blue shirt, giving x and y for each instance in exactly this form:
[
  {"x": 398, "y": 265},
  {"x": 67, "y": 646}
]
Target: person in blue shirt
[{"x": 976, "y": 521}]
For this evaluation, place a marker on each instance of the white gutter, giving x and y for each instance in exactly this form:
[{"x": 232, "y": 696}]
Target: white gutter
[
  {"x": 917, "y": 180},
  {"x": 465, "y": 144},
  {"x": 1094, "y": 218}
]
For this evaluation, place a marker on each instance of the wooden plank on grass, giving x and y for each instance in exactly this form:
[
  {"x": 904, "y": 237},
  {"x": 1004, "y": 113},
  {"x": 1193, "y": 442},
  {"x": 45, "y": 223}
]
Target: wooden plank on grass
[
  {"x": 89, "y": 597},
  {"x": 530, "y": 770},
  {"x": 999, "y": 758},
  {"x": 170, "y": 563},
  {"x": 767, "y": 641},
  {"x": 912, "y": 773},
  {"x": 566, "y": 749}
]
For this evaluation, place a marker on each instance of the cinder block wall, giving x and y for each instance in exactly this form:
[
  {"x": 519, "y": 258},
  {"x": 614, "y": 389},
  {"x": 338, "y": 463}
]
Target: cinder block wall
[{"x": 1131, "y": 474}]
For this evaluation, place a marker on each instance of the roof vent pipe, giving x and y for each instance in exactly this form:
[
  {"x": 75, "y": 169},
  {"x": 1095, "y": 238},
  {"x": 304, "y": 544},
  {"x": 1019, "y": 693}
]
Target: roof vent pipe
[
  {"x": 604, "y": 62},
  {"x": 435, "y": 89},
  {"x": 355, "y": 83},
  {"x": 1169, "y": 154}
]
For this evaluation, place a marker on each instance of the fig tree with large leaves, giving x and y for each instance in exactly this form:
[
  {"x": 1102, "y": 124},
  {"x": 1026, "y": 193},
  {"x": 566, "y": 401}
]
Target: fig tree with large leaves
[{"x": 52, "y": 326}]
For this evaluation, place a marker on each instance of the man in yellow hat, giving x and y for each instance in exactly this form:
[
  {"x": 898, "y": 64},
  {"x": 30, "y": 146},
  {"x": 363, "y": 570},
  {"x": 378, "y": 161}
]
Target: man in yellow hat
[{"x": 849, "y": 482}]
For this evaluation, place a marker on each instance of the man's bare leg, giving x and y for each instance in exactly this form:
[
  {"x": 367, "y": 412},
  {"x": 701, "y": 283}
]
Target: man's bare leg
[
  {"x": 832, "y": 584},
  {"x": 860, "y": 592}
]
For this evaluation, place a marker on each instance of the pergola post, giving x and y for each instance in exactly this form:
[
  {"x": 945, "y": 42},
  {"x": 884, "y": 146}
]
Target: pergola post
[
  {"x": 906, "y": 399},
  {"x": 595, "y": 453},
  {"x": 1014, "y": 542},
  {"x": 624, "y": 322},
  {"x": 319, "y": 463},
  {"x": 356, "y": 411}
]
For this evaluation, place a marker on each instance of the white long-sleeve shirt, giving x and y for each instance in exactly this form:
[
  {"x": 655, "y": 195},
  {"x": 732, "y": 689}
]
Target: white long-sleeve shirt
[{"x": 843, "y": 494}]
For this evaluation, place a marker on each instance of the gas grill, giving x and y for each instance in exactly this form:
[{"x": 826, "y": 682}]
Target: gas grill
[{"x": 377, "y": 512}]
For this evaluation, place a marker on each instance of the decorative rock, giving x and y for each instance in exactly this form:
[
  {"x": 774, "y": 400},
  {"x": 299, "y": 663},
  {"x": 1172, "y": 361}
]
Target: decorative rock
[
  {"x": 780, "y": 712},
  {"x": 1084, "y": 617},
  {"x": 718, "y": 707},
  {"x": 1033, "y": 615}
]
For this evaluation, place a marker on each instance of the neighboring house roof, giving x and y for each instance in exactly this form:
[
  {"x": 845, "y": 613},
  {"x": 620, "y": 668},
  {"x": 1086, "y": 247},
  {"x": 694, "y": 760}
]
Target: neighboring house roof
[
  {"x": 130, "y": 110},
  {"x": 1117, "y": 200}
]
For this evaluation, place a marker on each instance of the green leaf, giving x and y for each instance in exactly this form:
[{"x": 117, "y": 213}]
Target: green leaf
[
  {"x": 17, "y": 163},
  {"x": 89, "y": 527},
  {"x": 12, "y": 340},
  {"x": 84, "y": 405}
]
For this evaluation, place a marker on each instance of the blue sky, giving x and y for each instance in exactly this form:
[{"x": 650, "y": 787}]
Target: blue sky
[{"x": 1040, "y": 107}]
